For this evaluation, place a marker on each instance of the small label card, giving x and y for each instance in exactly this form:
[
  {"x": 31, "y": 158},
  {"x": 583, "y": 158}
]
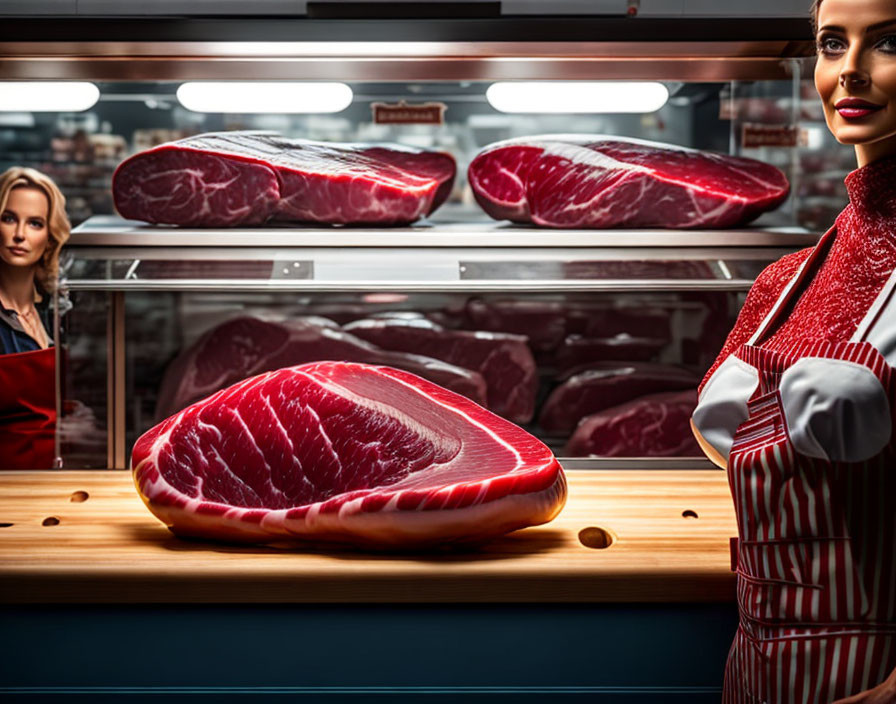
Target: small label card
[
  {"x": 755, "y": 135},
  {"x": 402, "y": 113}
]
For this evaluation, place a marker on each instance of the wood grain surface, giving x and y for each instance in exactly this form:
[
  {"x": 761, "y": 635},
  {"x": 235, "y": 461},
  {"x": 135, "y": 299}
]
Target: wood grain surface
[{"x": 85, "y": 536}]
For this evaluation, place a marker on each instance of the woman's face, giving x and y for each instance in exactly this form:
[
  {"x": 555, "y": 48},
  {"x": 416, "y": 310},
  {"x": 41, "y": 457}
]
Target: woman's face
[
  {"x": 855, "y": 74},
  {"x": 23, "y": 227}
]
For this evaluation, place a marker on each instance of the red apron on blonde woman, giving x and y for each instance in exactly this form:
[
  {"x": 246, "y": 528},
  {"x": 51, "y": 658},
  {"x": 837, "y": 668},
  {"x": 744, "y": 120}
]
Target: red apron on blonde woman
[
  {"x": 28, "y": 409},
  {"x": 33, "y": 227}
]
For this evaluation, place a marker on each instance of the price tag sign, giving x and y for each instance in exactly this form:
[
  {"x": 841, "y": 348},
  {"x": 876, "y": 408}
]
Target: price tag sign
[
  {"x": 402, "y": 113},
  {"x": 755, "y": 135}
]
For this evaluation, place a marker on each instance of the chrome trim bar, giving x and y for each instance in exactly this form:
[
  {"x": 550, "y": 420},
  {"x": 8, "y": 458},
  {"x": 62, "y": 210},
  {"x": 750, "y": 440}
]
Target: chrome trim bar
[
  {"x": 120, "y": 381},
  {"x": 461, "y": 285},
  {"x": 112, "y": 231},
  {"x": 396, "y": 61},
  {"x": 374, "y": 50},
  {"x": 380, "y": 70}
]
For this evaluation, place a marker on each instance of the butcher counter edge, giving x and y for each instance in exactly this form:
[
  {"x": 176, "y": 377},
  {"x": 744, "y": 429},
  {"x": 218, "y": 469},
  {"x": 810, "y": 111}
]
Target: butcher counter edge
[{"x": 624, "y": 536}]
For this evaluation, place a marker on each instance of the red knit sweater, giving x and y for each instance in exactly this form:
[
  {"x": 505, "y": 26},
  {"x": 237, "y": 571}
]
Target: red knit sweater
[{"x": 861, "y": 258}]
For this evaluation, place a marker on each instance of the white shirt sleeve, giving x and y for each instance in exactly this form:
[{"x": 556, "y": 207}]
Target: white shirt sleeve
[
  {"x": 835, "y": 410},
  {"x": 723, "y": 403}
]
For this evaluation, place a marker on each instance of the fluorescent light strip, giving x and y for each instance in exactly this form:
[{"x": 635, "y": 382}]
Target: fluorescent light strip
[
  {"x": 47, "y": 96},
  {"x": 264, "y": 97},
  {"x": 577, "y": 97}
]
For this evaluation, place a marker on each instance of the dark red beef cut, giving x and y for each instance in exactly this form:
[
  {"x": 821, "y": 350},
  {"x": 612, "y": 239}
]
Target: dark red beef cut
[
  {"x": 245, "y": 346},
  {"x": 228, "y": 179},
  {"x": 649, "y": 426},
  {"x": 606, "y": 319},
  {"x": 605, "y": 385},
  {"x": 503, "y": 360},
  {"x": 579, "y": 351},
  {"x": 341, "y": 452},
  {"x": 543, "y": 322},
  {"x": 589, "y": 181}
]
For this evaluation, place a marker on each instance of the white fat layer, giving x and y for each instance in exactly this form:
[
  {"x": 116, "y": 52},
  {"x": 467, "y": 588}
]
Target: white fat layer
[
  {"x": 354, "y": 506},
  {"x": 386, "y": 528}
]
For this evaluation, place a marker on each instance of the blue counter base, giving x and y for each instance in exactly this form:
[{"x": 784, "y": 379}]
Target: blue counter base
[{"x": 333, "y": 653}]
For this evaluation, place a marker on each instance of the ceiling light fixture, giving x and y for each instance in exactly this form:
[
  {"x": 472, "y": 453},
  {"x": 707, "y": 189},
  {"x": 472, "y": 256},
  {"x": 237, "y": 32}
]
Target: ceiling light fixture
[
  {"x": 264, "y": 97},
  {"x": 577, "y": 96},
  {"x": 47, "y": 96}
]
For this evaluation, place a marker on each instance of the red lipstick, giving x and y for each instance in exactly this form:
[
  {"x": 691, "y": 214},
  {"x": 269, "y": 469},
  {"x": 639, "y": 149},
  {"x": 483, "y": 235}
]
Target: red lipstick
[{"x": 855, "y": 108}]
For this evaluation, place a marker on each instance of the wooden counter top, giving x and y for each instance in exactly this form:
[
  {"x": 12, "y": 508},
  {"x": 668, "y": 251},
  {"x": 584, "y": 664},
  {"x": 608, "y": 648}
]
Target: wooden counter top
[{"x": 85, "y": 536}]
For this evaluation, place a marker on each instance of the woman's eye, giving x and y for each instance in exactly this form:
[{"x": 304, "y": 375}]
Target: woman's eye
[
  {"x": 829, "y": 45},
  {"x": 6, "y": 217},
  {"x": 888, "y": 44},
  {"x": 36, "y": 224}
]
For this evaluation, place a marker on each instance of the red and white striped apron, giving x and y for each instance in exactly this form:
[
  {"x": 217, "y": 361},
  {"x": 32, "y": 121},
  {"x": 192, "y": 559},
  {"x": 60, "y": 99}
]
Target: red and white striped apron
[{"x": 817, "y": 538}]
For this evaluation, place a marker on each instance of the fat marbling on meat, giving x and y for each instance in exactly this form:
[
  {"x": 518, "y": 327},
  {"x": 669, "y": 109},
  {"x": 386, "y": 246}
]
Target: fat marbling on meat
[
  {"x": 657, "y": 425},
  {"x": 228, "y": 179},
  {"x": 343, "y": 452},
  {"x": 591, "y": 181}
]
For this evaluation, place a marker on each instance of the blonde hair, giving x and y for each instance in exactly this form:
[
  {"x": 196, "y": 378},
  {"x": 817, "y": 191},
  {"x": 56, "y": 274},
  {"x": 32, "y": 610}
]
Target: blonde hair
[{"x": 58, "y": 225}]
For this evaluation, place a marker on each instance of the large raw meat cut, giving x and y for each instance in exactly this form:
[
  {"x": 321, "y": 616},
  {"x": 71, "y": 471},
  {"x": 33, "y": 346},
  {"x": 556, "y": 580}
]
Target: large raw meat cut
[
  {"x": 650, "y": 426},
  {"x": 345, "y": 452},
  {"x": 602, "y": 318},
  {"x": 578, "y": 351},
  {"x": 503, "y": 360},
  {"x": 608, "y": 384},
  {"x": 245, "y": 346},
  {"x": 589, "y": 181},
  {"x": 543, "y": 322},
  {"x": 227, "y": 179}
]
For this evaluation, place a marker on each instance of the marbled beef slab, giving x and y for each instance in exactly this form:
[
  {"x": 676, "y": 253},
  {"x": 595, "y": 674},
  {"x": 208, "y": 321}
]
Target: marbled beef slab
[
  {"x": 589, "y": 181},
  {"x": 658, "y": 425},
  {"x": 228, "y": 179},
  {"x": 605, "y": 385},
  {"x": 345, "y": 452}
]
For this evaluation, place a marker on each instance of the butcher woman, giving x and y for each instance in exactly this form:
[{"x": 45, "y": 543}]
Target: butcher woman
[
  {"x": 800, "y": 408},
  {"x": 33, "y": 228}
]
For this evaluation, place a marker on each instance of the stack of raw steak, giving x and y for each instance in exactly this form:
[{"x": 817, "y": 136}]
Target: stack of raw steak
[
  {"x": 504, "y": 360},
  {"x": 228, "y": 179},
  {"x": 343, "y": 452},
  {"x": 570, "y": 181},
  {"x": 246, "y": 345},
  {"x": 605, "y": 385},
  {"x": 649, "y": 426},
  {"x": 543, "y": 322}
]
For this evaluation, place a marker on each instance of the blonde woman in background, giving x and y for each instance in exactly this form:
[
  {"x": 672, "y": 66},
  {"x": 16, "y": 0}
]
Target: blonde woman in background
[{"x": 33, "y": 228}]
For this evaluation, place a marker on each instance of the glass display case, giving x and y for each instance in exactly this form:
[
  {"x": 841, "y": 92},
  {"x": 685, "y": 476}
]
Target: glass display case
[
  {"x": 572, "y": 324},
  {"x": 576, "y": 335},
  {"x": 602, "y": 319}
]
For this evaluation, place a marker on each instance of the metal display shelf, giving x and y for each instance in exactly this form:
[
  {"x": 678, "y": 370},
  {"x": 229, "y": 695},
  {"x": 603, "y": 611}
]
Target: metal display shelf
[
  {"x": 112, "y": 231},
  {"x": 112, "y": 254}
]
